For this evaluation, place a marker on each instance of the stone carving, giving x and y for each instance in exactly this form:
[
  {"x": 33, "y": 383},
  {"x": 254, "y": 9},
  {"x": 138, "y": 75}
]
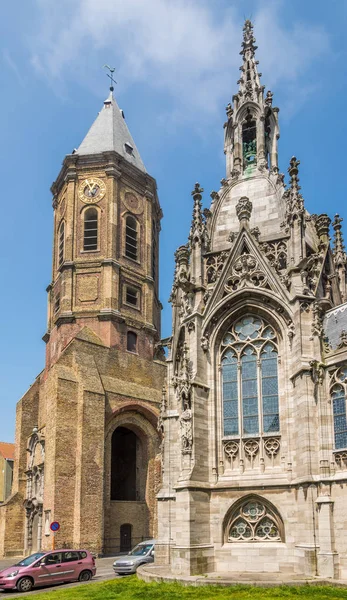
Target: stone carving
[
  {"x": 343, "y": 339},
  {"x": 186, "y": 431},
  {"x": 231, "y": 449},
  {"x": 246, "y": 273},
  {"x": 272, "y": 446},
  {"x": 256, "y": 233},
  {"x": 244, "y": 209},
  {"x": 317, "y": 371},
  {"x": 205, "y": 342},
  {"x": 317, "y": 320},
  {"x": 341, "y": 459},
  {"x": 276, "y": 253},
  {"x": 251, "y": 449},
  {"x": 322, "y": 225},
  {"x": 214, "y": 265}
]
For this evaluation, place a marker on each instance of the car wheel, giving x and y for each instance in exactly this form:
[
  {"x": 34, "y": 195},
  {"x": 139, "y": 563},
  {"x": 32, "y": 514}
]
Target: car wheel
[
  {"x": 85, "y": 576},
  {"x": 25, "y": 584}
]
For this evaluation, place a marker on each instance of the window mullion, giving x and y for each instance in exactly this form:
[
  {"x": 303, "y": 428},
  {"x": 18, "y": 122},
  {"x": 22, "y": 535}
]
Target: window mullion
[
  {"x": 260, "y": 396},
  {"x": 239, "y": 396}
]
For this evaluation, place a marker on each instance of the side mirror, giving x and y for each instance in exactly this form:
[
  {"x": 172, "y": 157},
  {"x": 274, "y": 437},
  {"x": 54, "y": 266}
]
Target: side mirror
[
  {"x": 153, "y": 553},
  {"x": 42, "y": 563}
]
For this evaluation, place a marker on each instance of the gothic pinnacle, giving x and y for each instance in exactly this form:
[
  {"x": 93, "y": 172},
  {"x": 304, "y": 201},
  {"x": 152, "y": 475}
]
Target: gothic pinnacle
[
  {"x": 293, "y": 171},
  {"x": 197, "y": 227},
  {"x": 340, "y": 257},
  {"x": 249, "y": 82}
]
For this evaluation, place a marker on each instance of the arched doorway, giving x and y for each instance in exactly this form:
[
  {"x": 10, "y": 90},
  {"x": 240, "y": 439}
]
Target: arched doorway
[
  {"x": 132, "y": 465},
  {"x": 125, "y": 459}
]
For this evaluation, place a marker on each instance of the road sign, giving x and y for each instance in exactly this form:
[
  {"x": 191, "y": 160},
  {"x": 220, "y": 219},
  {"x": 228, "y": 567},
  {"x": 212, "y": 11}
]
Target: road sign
[{"x": 54, "y": 526}]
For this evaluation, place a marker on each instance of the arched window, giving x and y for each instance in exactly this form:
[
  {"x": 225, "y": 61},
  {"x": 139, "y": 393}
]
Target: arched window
[
  {"x": 338, "y": 397},
  {"x": 250, "y": 379},
  {"x": 61, "y": 246},
  {"x": 131, "y": 249},
  {"x": 90, "y": 238},
  {"x": 249, "y": 141},
  {"x": 124, "y": 465},
  {"x": 131, "y": 341},
  {"x": 254, "y": 521}
]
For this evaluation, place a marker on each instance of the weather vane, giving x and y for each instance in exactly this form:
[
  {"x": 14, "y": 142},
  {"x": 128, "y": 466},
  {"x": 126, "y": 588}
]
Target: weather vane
[{"x": 110, "y": 76}]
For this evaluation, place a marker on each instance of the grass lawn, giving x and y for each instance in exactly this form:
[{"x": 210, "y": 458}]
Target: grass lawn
[{"x": 131, "y": 588}]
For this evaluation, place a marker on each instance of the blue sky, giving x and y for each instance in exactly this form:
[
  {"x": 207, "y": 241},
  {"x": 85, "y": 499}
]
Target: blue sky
[{"x": 176, "y": 67}]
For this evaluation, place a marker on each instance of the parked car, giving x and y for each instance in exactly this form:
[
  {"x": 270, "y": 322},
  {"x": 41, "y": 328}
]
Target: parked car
[
  {"x": 142, "y": 553},
  {"x": 44, "y": 568}
]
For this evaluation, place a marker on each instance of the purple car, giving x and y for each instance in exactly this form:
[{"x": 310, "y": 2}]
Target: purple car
[{"x": 44, "y": 568}]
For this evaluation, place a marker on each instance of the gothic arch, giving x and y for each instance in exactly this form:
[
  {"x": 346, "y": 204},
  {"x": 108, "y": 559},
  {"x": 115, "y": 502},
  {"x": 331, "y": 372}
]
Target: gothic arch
[
  {"x": 257, "y": 518},
  {"x": 231, "y": 307}
]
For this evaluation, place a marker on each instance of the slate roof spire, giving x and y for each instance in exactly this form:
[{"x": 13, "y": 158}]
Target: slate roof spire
[{"x": 109, "y": 132}]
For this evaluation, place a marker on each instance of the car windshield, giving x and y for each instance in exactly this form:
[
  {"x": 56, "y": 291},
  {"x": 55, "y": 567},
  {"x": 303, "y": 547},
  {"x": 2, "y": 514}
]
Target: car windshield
[
  {"x": 29, "y": 560},
  {"x": 141, "y": 550}
]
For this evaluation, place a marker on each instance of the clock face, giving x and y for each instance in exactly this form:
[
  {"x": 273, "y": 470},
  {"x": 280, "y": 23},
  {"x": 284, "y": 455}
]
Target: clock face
[{"x": 91, "y": 190}]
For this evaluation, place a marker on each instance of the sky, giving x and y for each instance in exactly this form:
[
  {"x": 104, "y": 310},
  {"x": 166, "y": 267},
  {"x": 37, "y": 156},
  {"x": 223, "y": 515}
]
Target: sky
[{"x": 177, "y": 63}]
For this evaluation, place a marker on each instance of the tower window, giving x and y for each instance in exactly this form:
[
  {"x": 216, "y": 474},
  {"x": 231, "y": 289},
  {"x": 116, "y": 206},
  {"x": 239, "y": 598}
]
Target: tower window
[
  {"x": 90, "y": 239},
  {"x": 154, "y": 250},
  {"x": 131, "y": 296},
  {"x": 57, "y": 303},
  {"x": 61, "y": 238},
  {"x": 131, "y": 341},
  {"x": 131, "y": 250},
  {"x": 249, "y": 141}
]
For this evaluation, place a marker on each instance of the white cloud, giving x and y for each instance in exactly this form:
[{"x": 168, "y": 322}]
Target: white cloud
[{"x": 184, "y": 48}]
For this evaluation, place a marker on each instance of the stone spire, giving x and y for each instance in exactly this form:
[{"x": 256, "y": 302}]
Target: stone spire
[
  {"x": 249, "y": 82},
  {"x": 197, "y": 230},
  {"x": 251, "y": 130},
  {"x": 109, "y": 132}
]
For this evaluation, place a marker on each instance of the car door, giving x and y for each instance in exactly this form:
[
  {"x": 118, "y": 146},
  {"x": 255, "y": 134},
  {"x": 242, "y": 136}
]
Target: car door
[
  {"x": 50, "y": 569},
  {"x": 71, "y": 564}
]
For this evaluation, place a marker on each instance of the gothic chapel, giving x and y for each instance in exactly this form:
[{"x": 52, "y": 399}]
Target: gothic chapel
[
  {"x": 254, "y": 415},
  {"x": 232, "y": 451}
]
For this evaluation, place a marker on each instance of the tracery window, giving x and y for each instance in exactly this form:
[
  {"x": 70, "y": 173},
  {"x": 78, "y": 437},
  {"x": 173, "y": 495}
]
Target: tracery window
[
  {"x": 253, "y": 521},
  {"x": 338, "y": 396},
  {"x": 250, "y": 379}
]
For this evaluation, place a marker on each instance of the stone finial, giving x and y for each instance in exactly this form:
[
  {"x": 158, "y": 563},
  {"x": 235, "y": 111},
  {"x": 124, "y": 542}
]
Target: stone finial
[
  {"x": 244, "y": 210},
  {"x": 182, "y": 255},
  {"x": 229, "y": 110},
  {"x": 268, "y": 99},
  {"x": 293, "y": 171},
  {"x": 197, "y": 191},
  {"x": 322, "y": 227}
]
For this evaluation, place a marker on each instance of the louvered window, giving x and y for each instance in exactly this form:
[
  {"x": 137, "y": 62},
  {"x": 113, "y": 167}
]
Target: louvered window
[
  {"x": 131, "y": 243},
  {"x": 90, "y": 240},
  {"x": 61, "y": 247}
]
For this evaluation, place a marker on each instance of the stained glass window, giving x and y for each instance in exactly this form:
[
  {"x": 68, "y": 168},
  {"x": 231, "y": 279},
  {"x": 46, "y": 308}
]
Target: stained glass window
[
  {"x": 250, "y": 378},
  {"x": 340, "y": 419},
  {"x": 253, "y": 521}
]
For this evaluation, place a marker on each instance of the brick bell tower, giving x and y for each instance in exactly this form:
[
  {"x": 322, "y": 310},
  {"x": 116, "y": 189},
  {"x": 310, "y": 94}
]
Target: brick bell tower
[
  {"x": 105, "y": 254},
  {"x": 87, "y": 441}
]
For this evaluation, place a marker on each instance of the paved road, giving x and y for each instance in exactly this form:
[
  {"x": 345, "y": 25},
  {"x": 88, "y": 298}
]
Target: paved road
[{"x": 104, "y": 571}]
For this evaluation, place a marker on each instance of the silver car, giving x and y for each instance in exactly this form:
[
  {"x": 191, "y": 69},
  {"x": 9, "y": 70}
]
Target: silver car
[{"x": 142, "y": 553}]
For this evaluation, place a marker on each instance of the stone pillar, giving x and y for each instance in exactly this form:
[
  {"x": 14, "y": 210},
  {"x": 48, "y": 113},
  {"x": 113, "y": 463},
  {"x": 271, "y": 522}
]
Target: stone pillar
[{"x": 327, "y": 557}]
